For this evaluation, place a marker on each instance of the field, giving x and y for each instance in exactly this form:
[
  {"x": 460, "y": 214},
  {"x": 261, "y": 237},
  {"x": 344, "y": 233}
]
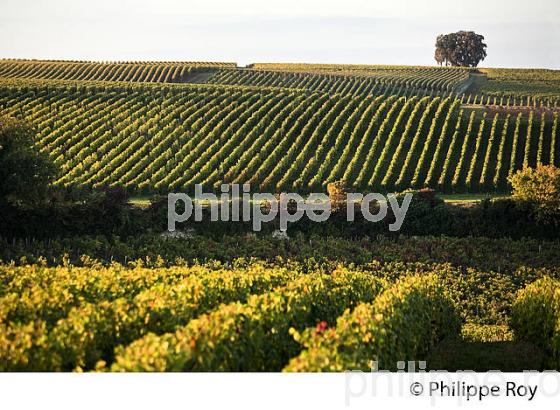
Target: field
[
  {"x": 96, "y": 284},
  {"x": 278, "y": 127},
  {"x": 536, "y": 83}
]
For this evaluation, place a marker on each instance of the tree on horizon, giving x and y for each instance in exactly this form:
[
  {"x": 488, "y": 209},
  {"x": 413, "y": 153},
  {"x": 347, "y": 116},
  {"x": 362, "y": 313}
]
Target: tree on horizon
[{"x": 460, "y": 49}]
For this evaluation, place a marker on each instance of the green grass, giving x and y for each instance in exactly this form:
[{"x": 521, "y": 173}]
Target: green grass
[
  {"x": 140, "y": 201},
  {"x": 459, "y": 199},
  {"x": 526, "y": 81},
  {"x": 466, "y": 198}
]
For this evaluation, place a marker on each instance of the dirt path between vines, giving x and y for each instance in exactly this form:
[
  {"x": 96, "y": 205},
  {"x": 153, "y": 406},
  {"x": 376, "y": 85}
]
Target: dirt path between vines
[{"x": 200, "y": 77}]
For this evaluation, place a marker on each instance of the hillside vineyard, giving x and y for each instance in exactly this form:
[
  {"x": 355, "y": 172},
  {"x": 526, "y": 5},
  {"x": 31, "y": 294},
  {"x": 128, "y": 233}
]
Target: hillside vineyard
[
  {"x": 169, "y": 72},
  {"x": 378, "y": 129}
]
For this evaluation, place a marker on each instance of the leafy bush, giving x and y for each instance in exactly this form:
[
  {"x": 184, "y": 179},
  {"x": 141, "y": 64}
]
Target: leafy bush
[
  {"x": 337, "y": 194},
  {"x": 21, "y": 346},
  {"x": 427, "y": 215},
  {"x": 539, "y": 190},
  {"x": 536, "y": 317}
]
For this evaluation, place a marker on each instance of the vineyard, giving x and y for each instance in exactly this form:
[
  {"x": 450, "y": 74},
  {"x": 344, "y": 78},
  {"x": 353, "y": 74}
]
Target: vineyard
[
  {"x": 272, "y": 315},
  {"x": 528, "y": 82},
  {"x": 108, "y": 291},
  {"x": 367, "y": 81},
  {"x": 370, "y": 82},
  {"x": 161, "y": 72},
  {"x": 206, "y": 319},
  {"x": 153, "y": 138}
]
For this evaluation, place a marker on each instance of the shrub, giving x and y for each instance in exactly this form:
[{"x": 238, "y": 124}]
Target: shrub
[
  {"x": 25, "y": 173},
  {"x": 536, "y": 317},
  {"x": 21, "y": 347},
  {"x": 337, "y": 194},
  {"x": 539, "y": 190},
  {"x": 427, "y": 215}
]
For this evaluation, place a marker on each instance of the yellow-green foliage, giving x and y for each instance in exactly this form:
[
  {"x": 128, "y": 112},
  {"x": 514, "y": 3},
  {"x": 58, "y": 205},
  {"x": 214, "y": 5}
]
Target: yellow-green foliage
[
  {"x": 243, "y": 317},
  {"x": 540, "y": 188},
  {"x": 403, "y": 323},
  {"x": 70, "y": 318},
  {"x": 134, "y": 71},
  {"x": 254, "y": 336},
  {"x": 536, "y": 317}
]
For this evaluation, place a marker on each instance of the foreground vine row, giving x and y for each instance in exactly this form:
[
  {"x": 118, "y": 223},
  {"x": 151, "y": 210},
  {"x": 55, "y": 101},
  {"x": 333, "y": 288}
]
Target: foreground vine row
[{"x": 252, "y": 316}]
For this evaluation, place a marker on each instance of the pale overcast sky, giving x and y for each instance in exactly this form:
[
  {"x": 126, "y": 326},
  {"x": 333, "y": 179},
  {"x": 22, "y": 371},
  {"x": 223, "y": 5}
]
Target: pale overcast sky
[{"x": 518, "y": 33}]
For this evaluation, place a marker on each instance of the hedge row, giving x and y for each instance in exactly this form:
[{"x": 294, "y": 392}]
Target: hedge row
[{"x": 312, "y": 251}]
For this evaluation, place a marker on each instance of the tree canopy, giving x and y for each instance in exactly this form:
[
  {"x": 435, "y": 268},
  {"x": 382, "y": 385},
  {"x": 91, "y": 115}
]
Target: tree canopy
[
  {"x": 461, "y": 49},
  {"x": 25, "y": 173}
]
